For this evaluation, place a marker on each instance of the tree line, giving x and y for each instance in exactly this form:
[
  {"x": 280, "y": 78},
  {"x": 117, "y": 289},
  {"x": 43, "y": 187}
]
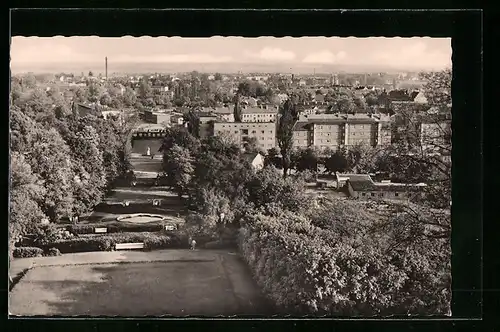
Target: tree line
[{"x": 62, "y": 164}]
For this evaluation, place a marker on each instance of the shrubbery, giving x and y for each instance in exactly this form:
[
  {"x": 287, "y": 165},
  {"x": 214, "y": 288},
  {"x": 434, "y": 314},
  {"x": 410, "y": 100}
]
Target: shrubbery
[
  {"x": 114, "y": 228},
  {"x": 305, "y": 270},
  {"x": 24, "y": 252},
  {"x": 108, "y": 242},
  {"x": 53, "y": 252}
]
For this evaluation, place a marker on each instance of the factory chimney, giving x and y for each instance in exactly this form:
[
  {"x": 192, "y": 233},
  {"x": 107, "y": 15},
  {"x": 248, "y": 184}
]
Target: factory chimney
[{"x": 106, "y": 67}]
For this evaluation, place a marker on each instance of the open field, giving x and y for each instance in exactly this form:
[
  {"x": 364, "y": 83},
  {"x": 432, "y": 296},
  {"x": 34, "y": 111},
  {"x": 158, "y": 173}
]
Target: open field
[{"x": 173, "y": 282}]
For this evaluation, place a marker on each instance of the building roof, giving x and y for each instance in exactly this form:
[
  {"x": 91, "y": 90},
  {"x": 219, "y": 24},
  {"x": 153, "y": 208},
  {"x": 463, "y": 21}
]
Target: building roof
[
  {"x": 361, "y": 182},
  {"x": 301, "y": 126},
  {"x": 250, "y": 156},
  {"x": 255, "y": 110}
]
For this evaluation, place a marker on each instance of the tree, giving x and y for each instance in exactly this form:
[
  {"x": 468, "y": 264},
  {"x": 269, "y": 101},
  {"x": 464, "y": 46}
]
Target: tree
[
  {"x": 237, "y": 108},
  {"x": 95, "y": 91},
  {"x": 90, "y": 176},
  {"x": 337, "y": 162},
  {"x": 180, "y": 136},
  {"x": 429, "y": 151},
  {"x": 270, "y": 192},
  {"x": 218, "y": 77},
  {"x": 193, "y": 123},
  {"x": 144, "y": 89},
  {"x": 360, "y": 103},
  {"x": 307, "y": 159},
  {"x": 252, "y": 145},
  {"x": 26, "y": 189},
  {"x": 105, "y": 99},
  {"x": 272, "y": 158},
  {"x": 129, "y": 98},
  {"x": 287, "y": 118},
  {"x": 91, "y": 74},
  {"x": 178, "y": 166},
  {"x": 49, "y": 157}
]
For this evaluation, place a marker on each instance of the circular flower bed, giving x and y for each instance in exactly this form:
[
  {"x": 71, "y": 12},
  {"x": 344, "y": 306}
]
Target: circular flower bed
[{"x": 141, "y": 218}]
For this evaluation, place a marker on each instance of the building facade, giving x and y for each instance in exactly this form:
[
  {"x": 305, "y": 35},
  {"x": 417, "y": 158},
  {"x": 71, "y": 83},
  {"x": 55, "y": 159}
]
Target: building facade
[
  {"x": 259, "y": 114},
  {"x": 240, "y": 132},
  {"x": 334, "y": 131}
]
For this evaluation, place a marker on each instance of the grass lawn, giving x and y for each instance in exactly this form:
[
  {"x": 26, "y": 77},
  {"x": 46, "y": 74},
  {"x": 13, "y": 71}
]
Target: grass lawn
[{"x": 222, "y": 286}]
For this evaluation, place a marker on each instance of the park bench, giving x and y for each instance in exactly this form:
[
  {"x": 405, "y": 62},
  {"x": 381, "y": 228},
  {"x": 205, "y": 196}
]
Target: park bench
[{"x": 128, "y": 246}]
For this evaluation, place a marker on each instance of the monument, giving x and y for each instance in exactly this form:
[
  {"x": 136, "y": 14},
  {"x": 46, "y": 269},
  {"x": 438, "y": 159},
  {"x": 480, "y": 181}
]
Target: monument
[{"x": 148, "y": 152}]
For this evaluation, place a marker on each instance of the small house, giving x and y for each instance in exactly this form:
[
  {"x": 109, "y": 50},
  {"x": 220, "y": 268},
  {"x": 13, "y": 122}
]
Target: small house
[{"x": 256, "y": 159}]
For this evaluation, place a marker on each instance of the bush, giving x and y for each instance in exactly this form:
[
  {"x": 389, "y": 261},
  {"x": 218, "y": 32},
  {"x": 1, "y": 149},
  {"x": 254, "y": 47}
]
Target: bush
[
  {"x": 107, "y": 242},
  {"x": 44, "y": 234},
  {"x": 114, "y": 228},
  {"x": 24, "y": 252},
  {"x": 305, "y": 270},
  {"x": 83, "y": 244},
  {"x": 53, "y": 252}
]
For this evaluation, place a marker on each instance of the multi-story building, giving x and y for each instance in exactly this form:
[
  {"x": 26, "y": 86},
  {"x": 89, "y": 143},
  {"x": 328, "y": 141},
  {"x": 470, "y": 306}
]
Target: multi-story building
[
  {"x": 334, "y": 130},
  {"x": 157, "y": 117},
  {"x": 259, "y": 114},
  {"x": 240, "y": 132}
]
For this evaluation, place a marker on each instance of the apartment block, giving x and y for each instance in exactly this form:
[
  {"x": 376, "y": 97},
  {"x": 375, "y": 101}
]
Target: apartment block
[
  {"x": 259, "y": 114},
  {"x": 334, "y": 130},
  {"x": 240, "y": 132}
]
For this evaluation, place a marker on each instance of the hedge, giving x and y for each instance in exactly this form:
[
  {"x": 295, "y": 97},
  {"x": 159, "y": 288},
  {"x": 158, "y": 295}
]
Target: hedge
[
  {"x": 108, "y": 242},
  {"x": 114, "y": 228},
  {"x": 303, "y": 272},
  {"x": 24, "y": 252}
]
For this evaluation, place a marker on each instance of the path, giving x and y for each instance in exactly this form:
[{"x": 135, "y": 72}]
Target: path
[{"x": 166, "y": 282}]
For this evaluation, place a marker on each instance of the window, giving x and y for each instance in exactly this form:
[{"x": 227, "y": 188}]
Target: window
[
  {"x": 245, "y": 131},
  {"x": 263, "y": 131},
  {"x": 235, "y": 131},
  {"x": 396, "y": 194},
  {"x": 223, "y": 126},
  {"x": 262, "y": 138},
  {"x": 372, "y": 194},
  {"x": 381, "y": 195},
  {"x": 253, "y": 131},
  {"x": 363, "y": 194}
]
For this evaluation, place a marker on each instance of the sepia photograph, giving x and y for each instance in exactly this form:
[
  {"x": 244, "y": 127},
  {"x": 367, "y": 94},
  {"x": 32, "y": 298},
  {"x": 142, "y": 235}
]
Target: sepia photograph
[{"x": 230, "y": 176}]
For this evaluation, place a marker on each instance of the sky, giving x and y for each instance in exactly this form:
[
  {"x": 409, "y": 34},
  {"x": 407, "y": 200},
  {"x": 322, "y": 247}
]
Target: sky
[{"x": 418, "y": 53}]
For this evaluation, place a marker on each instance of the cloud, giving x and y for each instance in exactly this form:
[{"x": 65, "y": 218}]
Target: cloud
[
  {"x": 324, "y": 57},
  {"x": 175, "y": 58},
  {"x": 273, "y": 54},
  {"x": 45, "y": 53},
  {"x": 417, "y": 55}
]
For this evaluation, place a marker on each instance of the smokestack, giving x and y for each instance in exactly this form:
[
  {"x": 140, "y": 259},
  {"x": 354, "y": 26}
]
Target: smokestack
[{"x": 106, "y": 67}]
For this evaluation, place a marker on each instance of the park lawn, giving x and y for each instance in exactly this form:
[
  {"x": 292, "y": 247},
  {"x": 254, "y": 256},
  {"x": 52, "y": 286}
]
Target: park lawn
[{"x": 204, "y": 288}]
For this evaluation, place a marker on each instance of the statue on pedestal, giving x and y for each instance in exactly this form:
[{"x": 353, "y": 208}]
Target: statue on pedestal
[{"x": 148, "y": 152}]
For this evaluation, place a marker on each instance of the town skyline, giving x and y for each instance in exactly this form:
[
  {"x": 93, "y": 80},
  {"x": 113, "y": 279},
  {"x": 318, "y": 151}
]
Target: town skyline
[{"x": 229, "y": 54}]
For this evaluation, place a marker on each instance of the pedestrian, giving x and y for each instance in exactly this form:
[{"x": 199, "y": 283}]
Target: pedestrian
[{"x": 193, "y": 244}]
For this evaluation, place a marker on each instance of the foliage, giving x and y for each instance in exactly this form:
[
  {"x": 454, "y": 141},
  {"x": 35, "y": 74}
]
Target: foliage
[
  {"x": 337, "y": 162},
  {"x": 114, "y": 228},
  {"x": 272, "y": 158},
  {"x": 25, "y": 252},
  {"x": 307, "y": 159},
  {"x": 308, "y": 270},
  {"x": 178, "y": 167},
  {"x": 53, "y": 252},
  {"x": 268, "y": 191},
  {"x": 288, "y": 117},
  {"x": 107, "y": 242}
]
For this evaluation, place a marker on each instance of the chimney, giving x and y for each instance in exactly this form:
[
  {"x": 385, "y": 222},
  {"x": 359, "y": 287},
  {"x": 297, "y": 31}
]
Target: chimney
[{"x": 106, "y": 67}]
